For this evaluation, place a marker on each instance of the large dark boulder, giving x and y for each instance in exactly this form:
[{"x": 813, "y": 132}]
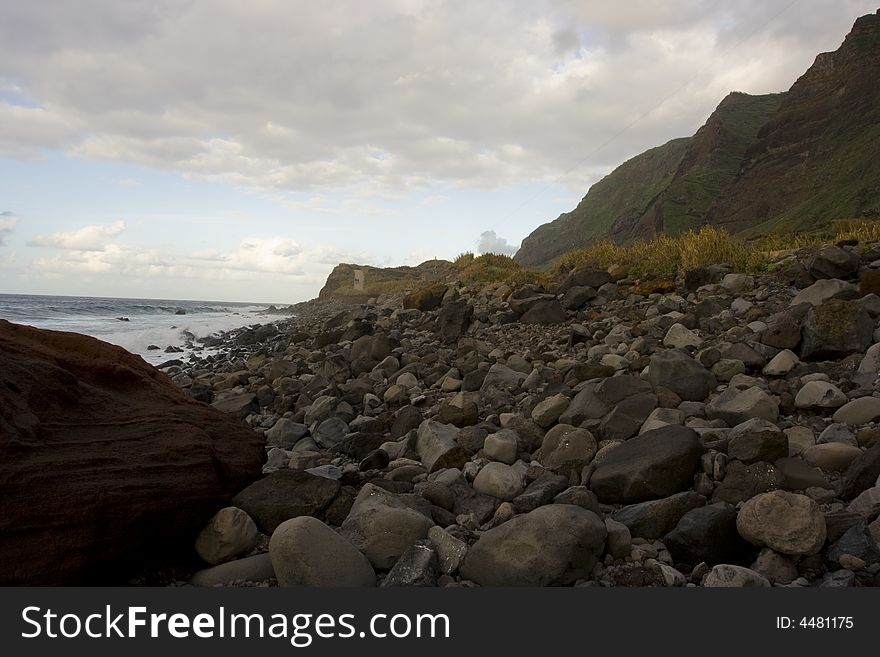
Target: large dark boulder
[
  {"x": 674, "y": 369},
  {"x": 708, "y": 533},
  {"x": 836, "y": 329},
  {"x": 659, "y": 463},
  {"x": 105, "y": 465},
  {"x": 284, "y": 495},
  {"x": 454, "y": 319}
]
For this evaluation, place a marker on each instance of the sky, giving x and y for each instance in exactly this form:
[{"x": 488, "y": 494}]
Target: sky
[{"x": 237, "y": 151}]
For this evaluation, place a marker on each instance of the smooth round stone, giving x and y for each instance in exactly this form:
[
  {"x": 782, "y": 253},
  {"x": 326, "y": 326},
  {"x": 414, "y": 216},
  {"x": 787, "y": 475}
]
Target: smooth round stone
[
  {"x": 785, "y": 522},
  {"x": 501, "y": 446},
  {"x": 782, "y": 363},
  {"x": 858, "y": 411},
  {"x": 229, "y": 534},
  {"x": 831, "y": 457},
  {"x": 499, "y": 480},
  {"x": 820, "y": 394}
]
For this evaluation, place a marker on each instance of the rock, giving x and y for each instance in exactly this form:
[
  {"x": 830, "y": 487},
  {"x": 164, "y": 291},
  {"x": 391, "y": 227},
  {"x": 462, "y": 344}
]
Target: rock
[
  {"x": 554, "y": 545},
  {"x": 858, "y": 411},
  {"x": 855, "y": 543},
  {"x": 306, "y": 552},
  {"x": 236, "y": 404},
  {"x": 257, "y": 568},
  {"x": 799, "y": 475},
  {"x": 382, "y": 527},
  {"x": 657, "y": 464},
  {"x": 836, "y": 329},
  {"x": 285, "y": 494},
  {"x": 427, "y": 299},
  {"x": 777, "y": 568},
  {"x": 661, "y": 417},
  {"x": 501, "y": 446},
  {"x": 547, "y": 412},
  {"x": 707, "y": 534},
  {"x": 784, "y": 329},
  {"x": 460, "y": 410},
  {"x": 107, "y": 466},
  {"x": 799, "y": 440},
  {"x": 469, "y": 502},
  {"x": 831, "y": 261},
  {"x": 438, "y": 447},
  {"x": 566, "y": 449},
  {"x": 285, "y": 433},
  {"x": 781, "y": 364},
  {"x": 728, "y": 575},
  {"x": 735, "y": 406},
  {"x": 545, "y": 312},
  {"x": 757, "y": 440},
  {"x": 831, "y": 457},
  {"x": 737, "y": 283},
  {"x": 540, "y": 492},
  {"x": 619, "y": 541},
  {"x": 785, "y": 522},
  {"x": 576, "y": 297},
  {"x": 867, "y": 504},
  {"x": 825, "y": 290},
  {"x": 330, "y": 432},
  {"x": 870, "y": 364},
  {"x": 579, "y": 496},
  {"x": 862, "y": 472},
  {"x": 585, "y": 277},
  {"x": 450, "y": 550},
  {"x": 819, "y": 394},
  {"x": 229, "y": 534},
  {"x": 499, "y": 480},
  {"x": 742, "y": 482},
  {"x": 658, "y": 517},
  {"x": 837, "y": 433},
  {"x": 680, "y": 337},
  {"x": 680, "y": 373},
  {"x": 502, "y": 377},
  {"x": 418, "y": 566},
  {"x": 454, "y": 319},
  {"x": 627, "y": 417}
]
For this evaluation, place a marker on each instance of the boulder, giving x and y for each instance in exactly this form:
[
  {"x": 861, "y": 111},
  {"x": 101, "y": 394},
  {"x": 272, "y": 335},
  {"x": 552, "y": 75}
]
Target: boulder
[
  {"x": 675, "y": 370},
  {"x": 438, "y": 447},
  {"x": 757, "y": 440},
  {"x": 831, "y": 261},
  {"x": 655, "y": 518},
  {"x": 732, "y": 576},
  {"x": 229, "y": 534},
  {"x": 547, "y": 411},
  {"x": 107, "y": 466},
  {"x": 735, "y": 406},
  {"x": 566, "y": 449},
  {"x": 785, "y": 522},
  {"x": 306, "y": 552},
  {"x": 454, "y": 319},
  {"x": 659, "y": 463},
  {"x": 836, "y": 329},
  {"x": 707, "y": 534},
  {"x": 286, "y": 494},
  {"x": 819, "y": 394},
  {"x": 285, "y": 433},
  {"x": 545, "y": 312},
  {"x": 825, "y": 290},
  {"x": 382, "y": 526},
  {"x": 499, "y": 480},
  {"x": 554, "y": 545},
  {"x": 742, "y": 482},
  {"x": 427, "y": 299},
  {"x": 858, "y": 411},
  {"x": 862, "y": 471}
]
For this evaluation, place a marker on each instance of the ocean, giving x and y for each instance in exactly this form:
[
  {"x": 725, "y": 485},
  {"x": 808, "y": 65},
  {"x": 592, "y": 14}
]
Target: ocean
[{"x": 157, "y": 322}]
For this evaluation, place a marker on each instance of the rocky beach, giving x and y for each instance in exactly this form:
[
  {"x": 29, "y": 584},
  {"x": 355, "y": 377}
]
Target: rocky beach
[{"x": 714, "y": 429}]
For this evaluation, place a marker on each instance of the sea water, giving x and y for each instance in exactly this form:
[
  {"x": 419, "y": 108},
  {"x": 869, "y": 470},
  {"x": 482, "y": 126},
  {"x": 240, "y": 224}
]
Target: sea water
[{"x": 134, "y": 324}]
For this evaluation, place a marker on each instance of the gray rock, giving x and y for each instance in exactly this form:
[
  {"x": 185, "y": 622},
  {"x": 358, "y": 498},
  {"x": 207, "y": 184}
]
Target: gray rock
[
  {"x": 584, "y": 406},
  {"x": 499, "y": 480},
  {"x": 825, "y": 290},
  {"x": 382, "y": 526},
  {"x": 229, "y": 533},
  {"x": 831, "y": 261},
  {"x": 579, "y": 496},
  {"x": 566, "y": 449},
  {"x": 832, "y": 457},
  {"x": 735, "y": 406},
  {"x": 742, "y": 482},
  {"x": 858, "y": 411},
  {"x": 657, "y": 464},
  {"x": 555, "y": 544},
  {"x": 502, "y": 377},
  {"x": 619, "y": 541},
  {"x": 330, "y": 432},
  {"x": 862, "y": 472},
  {"x": 627, "y": 417},
  {"x": 453, "y": 320},
  {"x": 450, "y": 550},
  {"x": 819, "y": 394},
  {"x": 836, "y": 329},
  {"x": 797, "y": 474},
  {"x": 285, "y": 494},
  {"x": 306, "y": 552},
  {"x": 418, "y": 566},
  {"x": 867, "y": 504},
  {"x": 285, "y": 433},
  {"x": 545, "y": 312},
  {"x": 547, "y": 412},
  {"x": 239, "y": 404},
  {"x": 540, "y": 492},
  {"x": 729, "y": 575},
  {"x": 785, "y": 522},
  {"x": 257, "y": 568},
  {"x": 837, "y": 433},
  {"x": 781, "y": 364},
  {"x": 675, "y": 370},
  {"x": 777, "y": 568},
  {"x": 438, "y": 447},
  {"x": 757, "y": 440},
  {"x": 707, "y": 534},
  {"x": 680, "y": 337},
  {"x": 501, "y": 446},
  {"x": 656, "y": 518},
  {"x": 871, "y": 362}
]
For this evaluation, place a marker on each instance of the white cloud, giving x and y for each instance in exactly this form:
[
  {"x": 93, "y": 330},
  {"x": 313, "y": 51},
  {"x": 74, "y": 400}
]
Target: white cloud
[
  {"x": 378, "y": 98},
  {"x": 489, "y": 242},
  {"x": 7, "y": 224},
  {"x": 87, "y": 238}
]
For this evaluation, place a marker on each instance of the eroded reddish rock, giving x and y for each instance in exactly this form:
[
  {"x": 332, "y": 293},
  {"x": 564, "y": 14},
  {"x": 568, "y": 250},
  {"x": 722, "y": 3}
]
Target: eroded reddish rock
[{"x": 105, "y": 466}]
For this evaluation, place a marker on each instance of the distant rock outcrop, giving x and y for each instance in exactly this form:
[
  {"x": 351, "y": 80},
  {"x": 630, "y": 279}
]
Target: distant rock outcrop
[{"x": 106, "y": 467}]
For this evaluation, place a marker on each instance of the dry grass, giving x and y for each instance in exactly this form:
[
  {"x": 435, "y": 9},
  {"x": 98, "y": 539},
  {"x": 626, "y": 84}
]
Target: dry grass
[
  {"x": 493, "y": 268},
  {"x": 669, "y": 255}
]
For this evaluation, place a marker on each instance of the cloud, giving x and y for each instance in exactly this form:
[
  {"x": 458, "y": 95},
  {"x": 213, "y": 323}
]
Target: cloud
[
  {"x": 389, "y": 97},
  {"x": 87, "y": 238},
  {"x": 7, "y": 224},
  {"x": 489, "y": 242}
]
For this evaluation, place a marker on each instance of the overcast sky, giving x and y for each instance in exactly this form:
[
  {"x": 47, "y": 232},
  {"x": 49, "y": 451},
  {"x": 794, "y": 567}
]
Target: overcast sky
[{"x": 229, "y": 150}]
